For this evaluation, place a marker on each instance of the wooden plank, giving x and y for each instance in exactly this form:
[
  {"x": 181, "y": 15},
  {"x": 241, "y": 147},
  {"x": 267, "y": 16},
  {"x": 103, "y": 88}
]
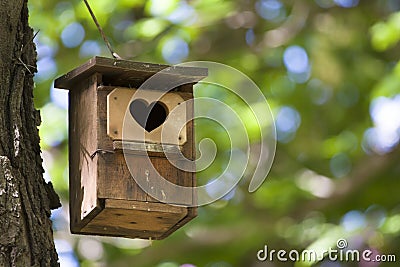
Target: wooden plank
[
  {"x": 145, "y": 206},
  {"x": 118, "y": 106},
  {"x": 114, "y": 177},
  {"x": 143, "y": 148},
  {"x": 136, "y": 219},
  {"x": 116, "y": 180},
  {"x": 191, "y": 213},
  {"x": 124, "y": 72},
  {"x": 83, "y": 142}
]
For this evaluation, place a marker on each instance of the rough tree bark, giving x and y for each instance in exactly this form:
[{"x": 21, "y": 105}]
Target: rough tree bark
[{"x": 26, "y": 237}]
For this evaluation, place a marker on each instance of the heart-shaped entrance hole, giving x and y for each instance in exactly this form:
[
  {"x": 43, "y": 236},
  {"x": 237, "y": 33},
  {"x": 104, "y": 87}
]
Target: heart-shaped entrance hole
[{"x": 148, "y": 116}]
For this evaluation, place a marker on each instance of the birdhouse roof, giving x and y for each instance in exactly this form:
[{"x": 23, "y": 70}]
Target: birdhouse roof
[{"x": 118, "y": 72}]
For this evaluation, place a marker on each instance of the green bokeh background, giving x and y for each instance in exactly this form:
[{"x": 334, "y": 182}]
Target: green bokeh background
[{"x": 330, "y": 72}]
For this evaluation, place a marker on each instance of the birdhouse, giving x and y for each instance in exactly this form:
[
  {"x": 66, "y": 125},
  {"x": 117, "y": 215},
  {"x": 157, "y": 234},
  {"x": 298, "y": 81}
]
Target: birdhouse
[{"x": 120, "y": 127}]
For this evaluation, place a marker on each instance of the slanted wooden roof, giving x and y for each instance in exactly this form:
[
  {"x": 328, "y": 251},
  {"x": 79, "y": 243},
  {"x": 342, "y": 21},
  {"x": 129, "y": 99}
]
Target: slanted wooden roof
[{"x": 127, "y": 73}]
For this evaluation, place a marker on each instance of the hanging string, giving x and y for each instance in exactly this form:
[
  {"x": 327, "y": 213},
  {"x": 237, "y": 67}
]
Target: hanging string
[{"x": 114, "y": 55}]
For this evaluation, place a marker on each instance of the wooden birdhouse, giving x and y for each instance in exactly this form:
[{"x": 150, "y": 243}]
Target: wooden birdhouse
[{"x": 116, "y": 138}]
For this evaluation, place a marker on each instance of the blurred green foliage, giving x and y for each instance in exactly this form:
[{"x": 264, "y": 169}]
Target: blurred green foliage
[{"x": 330, "y": 72}]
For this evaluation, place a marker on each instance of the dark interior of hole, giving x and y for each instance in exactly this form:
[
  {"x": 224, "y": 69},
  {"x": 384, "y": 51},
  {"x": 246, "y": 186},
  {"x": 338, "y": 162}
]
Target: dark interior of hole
[{"x": 148, "y": 116}]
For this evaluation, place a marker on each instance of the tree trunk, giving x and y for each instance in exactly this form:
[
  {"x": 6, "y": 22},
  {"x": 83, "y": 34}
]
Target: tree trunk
[{"x": 26, "y": 237}]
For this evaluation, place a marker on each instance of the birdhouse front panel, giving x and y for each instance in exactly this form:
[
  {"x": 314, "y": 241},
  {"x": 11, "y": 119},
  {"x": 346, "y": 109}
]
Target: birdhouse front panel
[
  {"x": 145, "y": 115},
  {"x": 118, "y": 133}
]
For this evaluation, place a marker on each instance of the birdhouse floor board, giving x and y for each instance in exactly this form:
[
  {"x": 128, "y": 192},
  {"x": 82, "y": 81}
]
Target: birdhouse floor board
[{"x": 129, "y": 218}]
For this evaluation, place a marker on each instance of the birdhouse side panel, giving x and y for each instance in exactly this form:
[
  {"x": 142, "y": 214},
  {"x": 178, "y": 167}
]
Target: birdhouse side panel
[{"x": 82, "y": 144}]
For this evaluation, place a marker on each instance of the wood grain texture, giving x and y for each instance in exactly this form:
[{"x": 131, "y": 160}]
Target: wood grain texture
[
  {"x": 26, "y": 236},
  {"x": 118, "y": 106},
  {"x": 82, "y": 144},
  {"x": 115, "y": 179},
  {"x": 136, "y": 219},
  {"x": 105, "y": 198},
  {"x": 117, "y": 72}
]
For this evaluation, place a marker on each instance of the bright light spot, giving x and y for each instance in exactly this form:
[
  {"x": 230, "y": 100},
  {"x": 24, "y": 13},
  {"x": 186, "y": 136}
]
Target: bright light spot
[
  {"x": 63, "y": 246},
  {"x": 353, "y": 220},
  {"x": 287, "y": 122},
  {"x": 91, "y": 249},
  {"x": 68, "y": 260},
  {"x": 149, "y": 28},
  {"x": 59, "y": 97},
  {"x": 250, "y": 36},
  {"x": 318, "y": 185},
  {"x": 73, "y": 35},
  {"x": 385, "y": 114},
  {"x": 132, "y": 243},
  {"x": 89, "y": 49},
  {"x": 346, "y": 3},
  {"x": 47, "y": 69},
  {"x": 216, "y": 187},
  {"x": 392, "y": 225},
  {"x": 44, "y": 50},
  {"x": 270, "y": 9},
  {"x": 297, "y": 64},
  {"x": 183, "y": 13},
  {"x": 48, "y": 162},
  {"x": 295, "y": 59},
  {"x": 379, "y": 141},
  {"x": 65, "y": 253},
  {"x": 340, "y": 165},
  {"x": 53, "y": 130},
  {"x": 175, "y": 50},
  {"x": 162, "y": 7},
  {"x": 288, "y": 119}
]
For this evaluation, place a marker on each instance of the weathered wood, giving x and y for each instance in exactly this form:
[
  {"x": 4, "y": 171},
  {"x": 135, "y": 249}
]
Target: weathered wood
[
  {"x": 118, "y": 72},
  {"x": 144, "y": 148},
  {"x": 115, "y": 180},
  {"x": 105, "y": 197},
  {"x": 82, "y": 167},
  {"x": 136, "y": 219},
  {"x": 26, "y": 236},
  {"x": 118, "y": 102}
]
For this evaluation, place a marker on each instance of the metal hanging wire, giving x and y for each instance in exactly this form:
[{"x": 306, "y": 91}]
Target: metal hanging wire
[{"x": 105, "y": 39}]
